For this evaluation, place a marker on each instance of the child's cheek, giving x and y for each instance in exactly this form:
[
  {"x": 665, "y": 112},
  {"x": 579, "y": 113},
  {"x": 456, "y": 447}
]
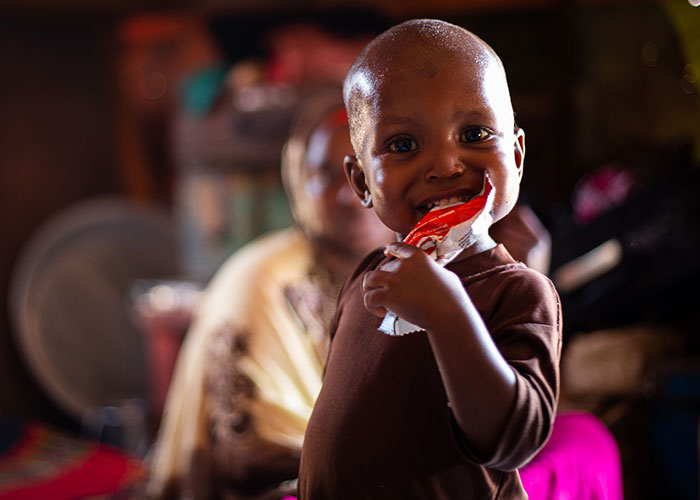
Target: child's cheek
[{"x": 507, "y": 188}]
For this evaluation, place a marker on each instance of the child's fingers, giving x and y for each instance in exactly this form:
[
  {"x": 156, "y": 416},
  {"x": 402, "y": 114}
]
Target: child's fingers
[
  {"x": 374, "y": 289},
  {"x": 375, "y": 279},
  {"x": 373, "y": 301},
  {"x": 390, "y": 266},
  {"x": 400, "y": 250}
]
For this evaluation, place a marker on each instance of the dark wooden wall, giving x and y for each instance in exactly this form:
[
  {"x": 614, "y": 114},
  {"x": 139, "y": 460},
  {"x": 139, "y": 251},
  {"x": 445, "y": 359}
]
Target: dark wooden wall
[{"x": 55, "y": 148}]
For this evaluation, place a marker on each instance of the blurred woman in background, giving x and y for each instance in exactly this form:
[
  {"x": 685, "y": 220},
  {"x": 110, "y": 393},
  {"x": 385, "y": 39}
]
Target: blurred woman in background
[{"x": 252, "y": 362}]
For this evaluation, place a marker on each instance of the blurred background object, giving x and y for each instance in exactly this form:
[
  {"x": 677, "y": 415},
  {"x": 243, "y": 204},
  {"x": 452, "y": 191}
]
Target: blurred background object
[
  {"x": 68, "y": 295},
  {"x": 184, "y": 106}
]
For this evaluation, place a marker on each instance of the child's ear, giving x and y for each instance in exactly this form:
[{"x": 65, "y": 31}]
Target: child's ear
[
  {"x": 356, "y": 176},
  {"x": 519, "y": 150}
]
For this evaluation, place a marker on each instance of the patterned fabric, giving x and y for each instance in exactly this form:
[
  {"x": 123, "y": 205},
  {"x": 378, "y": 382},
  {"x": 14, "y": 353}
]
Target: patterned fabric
[
  {"x": 247, "y": 375},
  {"x": 38, "y": 462}
]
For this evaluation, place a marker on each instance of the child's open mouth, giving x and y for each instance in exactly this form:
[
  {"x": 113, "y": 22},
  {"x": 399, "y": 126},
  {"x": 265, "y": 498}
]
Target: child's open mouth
[{"x": 445, "y": 203}]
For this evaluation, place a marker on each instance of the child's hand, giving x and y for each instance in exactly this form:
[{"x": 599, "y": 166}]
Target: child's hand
[{"x": 413, "y": 287}]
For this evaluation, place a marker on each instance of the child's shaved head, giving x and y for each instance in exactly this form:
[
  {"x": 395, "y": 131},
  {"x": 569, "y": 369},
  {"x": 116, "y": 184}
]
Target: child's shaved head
[
  {"x": 409, "y": 48},
  {"x": 430, "y": 115}
]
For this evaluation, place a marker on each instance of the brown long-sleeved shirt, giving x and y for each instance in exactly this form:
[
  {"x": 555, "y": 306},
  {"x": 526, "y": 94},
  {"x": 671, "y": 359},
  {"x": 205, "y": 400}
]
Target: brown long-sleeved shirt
[{"x": 382, "y": 427}]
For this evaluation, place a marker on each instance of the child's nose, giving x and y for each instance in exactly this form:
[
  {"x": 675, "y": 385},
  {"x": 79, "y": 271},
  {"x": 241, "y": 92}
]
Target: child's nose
[{"x": 446, "y": 163}]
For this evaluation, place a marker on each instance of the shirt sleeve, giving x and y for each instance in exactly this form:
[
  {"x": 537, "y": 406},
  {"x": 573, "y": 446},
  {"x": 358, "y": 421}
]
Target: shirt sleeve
[{"x": 525, "y": 323}]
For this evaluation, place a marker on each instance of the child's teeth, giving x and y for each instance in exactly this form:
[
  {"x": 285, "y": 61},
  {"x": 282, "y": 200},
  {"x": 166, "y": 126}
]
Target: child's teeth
[{"x": 445, "y": 202}]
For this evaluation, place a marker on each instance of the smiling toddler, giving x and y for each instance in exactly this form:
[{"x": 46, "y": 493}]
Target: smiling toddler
[{"x": 452, "y": 410}]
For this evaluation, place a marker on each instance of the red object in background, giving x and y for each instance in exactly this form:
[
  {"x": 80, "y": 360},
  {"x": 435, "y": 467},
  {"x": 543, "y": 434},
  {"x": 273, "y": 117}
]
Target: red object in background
[
  {"x": 163, "y": 336},
  {"x": 600, "y": 191},
  {"x": 305, "y": 53},
  {"x": 164, "y": 311},
  {"x": 46, "y": 464}
]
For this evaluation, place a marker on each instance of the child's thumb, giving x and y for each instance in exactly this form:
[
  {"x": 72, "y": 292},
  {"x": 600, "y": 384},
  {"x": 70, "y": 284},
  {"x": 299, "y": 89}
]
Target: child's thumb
[{"x": 400, "y": 250}]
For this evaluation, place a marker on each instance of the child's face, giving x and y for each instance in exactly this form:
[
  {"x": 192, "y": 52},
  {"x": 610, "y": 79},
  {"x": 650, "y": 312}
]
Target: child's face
[{"x": 435, "y": 129}]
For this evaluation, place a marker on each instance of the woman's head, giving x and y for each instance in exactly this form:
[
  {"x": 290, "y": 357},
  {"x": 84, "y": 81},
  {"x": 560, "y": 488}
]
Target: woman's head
[{"x": 322, "y": 203}]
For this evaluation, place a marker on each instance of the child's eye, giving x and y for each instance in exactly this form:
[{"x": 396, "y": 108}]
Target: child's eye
[
  {"x": 475, "y": 134},
  {"x": 403, "y": 145}
]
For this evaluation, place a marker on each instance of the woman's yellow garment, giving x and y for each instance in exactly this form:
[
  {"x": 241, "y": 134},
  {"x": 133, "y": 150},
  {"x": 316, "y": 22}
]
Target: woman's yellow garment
[{"x": 248, "y": 371}]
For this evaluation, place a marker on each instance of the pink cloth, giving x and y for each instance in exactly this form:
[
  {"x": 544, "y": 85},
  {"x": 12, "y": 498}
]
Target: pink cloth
[{"x": 580, "y": 461}]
